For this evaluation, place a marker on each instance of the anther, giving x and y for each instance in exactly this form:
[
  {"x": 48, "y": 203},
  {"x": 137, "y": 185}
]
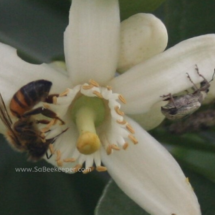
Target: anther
[
  {"x": 129, "y": 127},
  {"x": 101, "y": 168},
  {"x": 58, "y": 155},
  {"x": 51, "y": 148},
  {"x": 64, "y": 93},
  {"x": 109, "y": 150},
  {"x": 87, "y": 87},
  {"x": 115, "y": 147},
  {"x": 54, "y": 100},
  {"x": 121, "y": 122},
  {"x": 60, "y": 163},
  {"x": 132, "y": 138},
  {"x": 98, "y": 94},
  {"x": 69, "y": 160},
  {"x": 88, "y": 170},
  {"x": 109, "y": 87},
  {"x": 118, "y": 111},
  {"x": 122, "y": 99},
  {"x": 77, "y": 167},
  {"x": 125, "y": 146},
  {"x": 94, "y": 83}
]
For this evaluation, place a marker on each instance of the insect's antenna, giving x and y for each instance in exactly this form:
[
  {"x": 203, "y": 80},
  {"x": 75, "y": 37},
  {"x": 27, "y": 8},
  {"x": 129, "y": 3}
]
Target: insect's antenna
[{"x": 212, "y": 77}]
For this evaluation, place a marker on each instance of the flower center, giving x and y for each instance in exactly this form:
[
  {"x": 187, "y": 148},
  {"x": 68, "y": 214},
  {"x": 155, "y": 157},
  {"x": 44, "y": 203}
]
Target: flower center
[
  {"x": 88, "y": 113},
  {"x": 96, "y": 113}
]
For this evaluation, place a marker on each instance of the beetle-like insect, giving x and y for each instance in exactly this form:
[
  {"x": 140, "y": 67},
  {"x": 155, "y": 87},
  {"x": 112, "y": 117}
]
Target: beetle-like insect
[
  {"x": 181, "y": 106},
  {"x": 24, "y": 135}
]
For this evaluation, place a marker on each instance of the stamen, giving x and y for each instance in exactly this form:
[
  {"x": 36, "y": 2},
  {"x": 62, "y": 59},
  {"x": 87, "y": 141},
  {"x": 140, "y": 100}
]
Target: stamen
[
  {"x": 98, "y": 94},
  {"x": 115, "y": 147},
  {"x": 87, "y": 87},
  {"x": 94, "y": 83},
  {"x": 118, "y": 111},
  {"x": 88, "y": 170},
  {"x": 129, "y": 127},
  {"x": 60, "y": 163},
  {"x": 122, "y": 99},
  {"x": 132, "y": 138},
  {"x": 121, "y": 122},
  {"x": 125, "y": 146},
  {"x": 109, "y": 87},
  {"x": 109, "y": 150},
  {"x": 47, "y": 127},
  {"x": 76, "y": 168},
  {"x": 69, "y": 160},
  {"x": 54, "y": 100},
  {"x": 64, "y": 93},
  {"x": 101, "y": 168},
  {"x": 58, "y": 155},
  {"x": 51, "y": 148}
]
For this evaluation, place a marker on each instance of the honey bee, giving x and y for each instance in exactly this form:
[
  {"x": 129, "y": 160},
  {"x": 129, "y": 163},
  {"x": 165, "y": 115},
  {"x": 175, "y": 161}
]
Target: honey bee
[
  {"x": 181, "y": 106},
  {"x": 24, "y": 135}
]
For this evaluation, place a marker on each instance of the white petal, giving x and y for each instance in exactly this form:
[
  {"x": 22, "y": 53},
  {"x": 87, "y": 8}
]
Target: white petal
[
  {"x": 142, "y": 37},
  {"x": 150, "y": 119},
  {"x": 150, "y": 176},
  {"x": 14, "y": 73},
  {"x": 66, "y": 144},
  {"x": 165, "y": 73},
  {"x": 91, "y": 41}
]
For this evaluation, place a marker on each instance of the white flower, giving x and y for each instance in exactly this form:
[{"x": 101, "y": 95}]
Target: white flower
[{"x": 145, "y": 171}]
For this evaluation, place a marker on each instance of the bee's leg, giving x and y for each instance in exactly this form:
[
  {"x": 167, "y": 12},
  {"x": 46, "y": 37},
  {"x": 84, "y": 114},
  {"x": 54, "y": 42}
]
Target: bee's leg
[
  {"x": 48, "y": 156},
  {"x": 43, "y": 121},
  {"x": 45, "y": 112}
]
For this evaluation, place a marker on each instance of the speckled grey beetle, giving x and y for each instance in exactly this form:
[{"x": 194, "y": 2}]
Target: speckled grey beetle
[{"x": 181, "y": 106}]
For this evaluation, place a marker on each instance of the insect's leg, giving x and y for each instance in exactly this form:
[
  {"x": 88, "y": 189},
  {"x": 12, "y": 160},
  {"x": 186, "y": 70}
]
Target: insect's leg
[
  {"x": 45, "y": 112},
  {"x": 43, "y": 121},
  {"x": 194, "y": 86},
  {"x": 169, "y": 97},
  {"x": 48, "y": 156}
]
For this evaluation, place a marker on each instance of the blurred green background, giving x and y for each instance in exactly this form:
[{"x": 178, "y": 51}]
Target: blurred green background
[{"x": 35, "y": 28}]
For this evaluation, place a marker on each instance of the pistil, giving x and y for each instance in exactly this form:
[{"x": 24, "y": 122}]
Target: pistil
[{"x": 88, "y": 141}]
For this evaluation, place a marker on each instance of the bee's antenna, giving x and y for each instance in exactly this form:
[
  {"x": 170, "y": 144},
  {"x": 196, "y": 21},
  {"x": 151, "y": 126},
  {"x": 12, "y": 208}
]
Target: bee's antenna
[{"x": 212, "y": 77}]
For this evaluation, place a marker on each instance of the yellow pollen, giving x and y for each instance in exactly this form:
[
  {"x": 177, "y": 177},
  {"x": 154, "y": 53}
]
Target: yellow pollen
[
  {"x": 125, "y": 146},
  {"x": 129, "y": 127},
  {"x": 94, "y": 83},
  {"x": 98, "y": 94},
  {"x": 121, "y": 122},
  {"x": 87, "y": 87},
  {"x": 133, "y": 139},
  {"x": 101, "y": 168},
  {"x": 45, "y": 105},
  {"x": 69, "y": 160},
  {"x": 88, "y": 143},
  {"x": 118, "y": 111},
  {"x": 122, "y": 99}
]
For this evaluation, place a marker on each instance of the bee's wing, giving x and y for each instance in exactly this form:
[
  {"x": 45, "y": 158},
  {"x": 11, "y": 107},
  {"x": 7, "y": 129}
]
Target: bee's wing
[
  {"x": 4, "y": 114},
  {"x": 11, "y": 136}
]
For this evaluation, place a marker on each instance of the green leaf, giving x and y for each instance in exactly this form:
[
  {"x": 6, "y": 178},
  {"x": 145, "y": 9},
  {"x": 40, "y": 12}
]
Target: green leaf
[
  {"x": 187, "y": 18},
  {"x": 114, "y": 201},
  {"x": 129, "y": 8}
]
